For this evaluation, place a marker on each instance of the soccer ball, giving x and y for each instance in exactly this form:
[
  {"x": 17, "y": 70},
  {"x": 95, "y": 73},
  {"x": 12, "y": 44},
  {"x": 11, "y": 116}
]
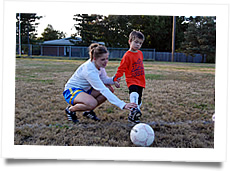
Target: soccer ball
[{"x": 142, "y": 135}]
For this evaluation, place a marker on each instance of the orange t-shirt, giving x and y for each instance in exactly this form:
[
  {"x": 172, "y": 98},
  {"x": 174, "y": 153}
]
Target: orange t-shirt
[{"x": 132, "y": 65}]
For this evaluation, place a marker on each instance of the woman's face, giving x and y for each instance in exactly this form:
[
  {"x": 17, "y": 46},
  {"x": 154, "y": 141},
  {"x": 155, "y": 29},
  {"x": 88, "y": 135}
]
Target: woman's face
[{"x": 102, "y": 60}]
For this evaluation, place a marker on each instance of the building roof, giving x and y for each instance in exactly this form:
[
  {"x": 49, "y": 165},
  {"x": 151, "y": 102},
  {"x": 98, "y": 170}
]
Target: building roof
[{"x": 63, "y": 42}]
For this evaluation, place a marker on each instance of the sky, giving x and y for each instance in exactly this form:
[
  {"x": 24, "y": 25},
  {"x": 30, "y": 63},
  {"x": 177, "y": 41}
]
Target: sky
[{"x": 60, "y": 22}]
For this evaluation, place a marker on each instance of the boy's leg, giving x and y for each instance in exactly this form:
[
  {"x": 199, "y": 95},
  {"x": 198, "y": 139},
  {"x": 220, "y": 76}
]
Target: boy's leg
[
  {"x": 140, "y": 97},
  {"x": 135, "y": 94},
  {"x": 139, "y": 106},
  {"x": 135, "y": 97}
]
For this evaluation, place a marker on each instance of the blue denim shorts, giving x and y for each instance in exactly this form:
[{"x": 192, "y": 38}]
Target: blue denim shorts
[{"x": 71, "y": 93}]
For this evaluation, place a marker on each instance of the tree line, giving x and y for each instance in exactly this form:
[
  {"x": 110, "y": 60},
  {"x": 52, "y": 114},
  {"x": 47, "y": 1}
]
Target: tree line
[
  {"x": 192, "y": 35},
  {"x": 114, "y": 30}
]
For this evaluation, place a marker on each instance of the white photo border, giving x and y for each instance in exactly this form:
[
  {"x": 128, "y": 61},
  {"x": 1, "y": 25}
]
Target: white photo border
[{"x": 217, "y": 154}]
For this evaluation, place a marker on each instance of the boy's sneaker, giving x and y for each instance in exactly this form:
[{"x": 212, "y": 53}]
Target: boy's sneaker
[
  {"x": 92, "y": 115},
  {"x": 135, "y": 115},
  {"x": 71, "y": 115}
]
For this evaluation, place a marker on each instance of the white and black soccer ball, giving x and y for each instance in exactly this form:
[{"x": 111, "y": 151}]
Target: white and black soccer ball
[{"x": 142, "y": 135}]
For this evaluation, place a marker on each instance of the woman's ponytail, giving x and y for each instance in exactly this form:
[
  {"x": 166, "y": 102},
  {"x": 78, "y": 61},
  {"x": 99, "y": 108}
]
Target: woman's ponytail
[{"x": 95, "y": 50}]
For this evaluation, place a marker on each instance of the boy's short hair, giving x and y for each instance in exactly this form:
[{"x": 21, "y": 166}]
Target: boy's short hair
[{"x": 136, "y": 34}]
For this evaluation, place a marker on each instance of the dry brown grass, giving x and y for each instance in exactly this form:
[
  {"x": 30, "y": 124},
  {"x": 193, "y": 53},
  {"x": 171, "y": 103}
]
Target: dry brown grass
[{"x": 178, "y": 104}]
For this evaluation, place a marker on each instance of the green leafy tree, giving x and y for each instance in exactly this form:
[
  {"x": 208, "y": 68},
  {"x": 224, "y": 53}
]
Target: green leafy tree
[
  {"x": 28, "y": 25},
  {"x": 89, "y": 27},
  {"x": 117, "y": 29},
  {"x": 200, "y": 38},
  {"x": 114, "y": 30},
  {"x": 51, "y": 34}
]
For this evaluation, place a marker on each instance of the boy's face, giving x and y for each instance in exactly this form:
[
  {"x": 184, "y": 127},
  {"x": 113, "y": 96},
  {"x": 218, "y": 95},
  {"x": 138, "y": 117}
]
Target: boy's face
[{"x": 135, "y": 44}]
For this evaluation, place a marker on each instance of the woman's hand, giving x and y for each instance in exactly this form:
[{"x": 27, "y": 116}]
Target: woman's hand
[{"x": 129, "y": 106}]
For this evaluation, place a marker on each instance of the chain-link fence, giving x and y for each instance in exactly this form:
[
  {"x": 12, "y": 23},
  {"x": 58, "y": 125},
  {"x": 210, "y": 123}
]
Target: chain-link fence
[{"x": 73, "y": 52}]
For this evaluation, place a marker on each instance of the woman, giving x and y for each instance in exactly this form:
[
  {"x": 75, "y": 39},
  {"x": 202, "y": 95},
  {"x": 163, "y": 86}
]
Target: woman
[{"x": 86, "y": 89}]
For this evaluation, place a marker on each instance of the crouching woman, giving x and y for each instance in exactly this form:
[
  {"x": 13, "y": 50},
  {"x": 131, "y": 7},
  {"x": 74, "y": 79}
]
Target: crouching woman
[{"x": 89, "y": 86}]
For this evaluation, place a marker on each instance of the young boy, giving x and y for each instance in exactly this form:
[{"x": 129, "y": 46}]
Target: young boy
[{"x": 132, "y": 65}]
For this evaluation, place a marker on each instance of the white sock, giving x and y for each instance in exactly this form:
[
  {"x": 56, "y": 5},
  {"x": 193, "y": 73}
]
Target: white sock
[{"x": 134, "y": 97}]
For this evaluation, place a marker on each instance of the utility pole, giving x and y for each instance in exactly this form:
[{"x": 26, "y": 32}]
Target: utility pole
[
  {"x": 28, "y": 38},
  {"x": 173, "y": 37},
  {"x": 19, "y": 35}
]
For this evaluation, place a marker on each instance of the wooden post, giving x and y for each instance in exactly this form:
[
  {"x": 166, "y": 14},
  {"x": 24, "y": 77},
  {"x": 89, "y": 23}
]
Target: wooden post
[
  {"x": 173, "y": 37},
  {"x": 19, "y": 35}
]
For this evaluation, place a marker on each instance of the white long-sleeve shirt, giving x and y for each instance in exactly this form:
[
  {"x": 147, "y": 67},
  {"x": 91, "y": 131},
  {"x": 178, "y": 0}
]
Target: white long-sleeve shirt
[{"x": 87, "y": 76}]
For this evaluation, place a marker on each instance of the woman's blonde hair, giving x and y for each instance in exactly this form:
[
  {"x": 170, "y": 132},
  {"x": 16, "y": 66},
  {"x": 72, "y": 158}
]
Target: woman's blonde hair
[{"x": 96, "y": 50}]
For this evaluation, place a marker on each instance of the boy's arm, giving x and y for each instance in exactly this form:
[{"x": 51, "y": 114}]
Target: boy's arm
[{"x": 121, "y": 69}]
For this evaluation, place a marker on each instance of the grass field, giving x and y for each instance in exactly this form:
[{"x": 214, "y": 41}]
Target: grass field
[{"x": 178, "y": 103}]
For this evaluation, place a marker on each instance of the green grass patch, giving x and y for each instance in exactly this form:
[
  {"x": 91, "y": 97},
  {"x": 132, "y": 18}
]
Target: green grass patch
[
  {"x": 48, "y": 81},
  {"x": 154, "y": 77},
  {"x": 200, "y": 106},
  {"x": 110, "y": 110}
]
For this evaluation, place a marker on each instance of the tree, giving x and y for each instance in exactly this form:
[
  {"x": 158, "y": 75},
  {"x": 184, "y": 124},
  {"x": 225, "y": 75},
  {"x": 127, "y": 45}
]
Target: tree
[
  {"x": 51, "y": 34},
  {"x": 28, "y": 24},
  {"x": 114, "y": 30},
  {"x": 181, "y": 27},
  {"x": 117, "y": 29},
  {"x": 88, "y": 27},
  {"x": 200, "y": 38}
]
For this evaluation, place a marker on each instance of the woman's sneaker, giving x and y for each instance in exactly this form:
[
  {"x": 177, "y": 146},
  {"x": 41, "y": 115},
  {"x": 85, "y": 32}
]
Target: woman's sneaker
[
  {"x": 71, "y": 115},
  {"x": 135, "y": 115},
  {"x": 92, "y": 115}
]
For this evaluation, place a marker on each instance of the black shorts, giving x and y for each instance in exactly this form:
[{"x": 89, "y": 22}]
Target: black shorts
[{"x": 138, "y": 89}]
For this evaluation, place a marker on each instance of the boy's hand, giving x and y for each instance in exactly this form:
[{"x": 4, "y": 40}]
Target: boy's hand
[
  {"x": 117, "y": 84},
  {"x": 119, "y": 79}
]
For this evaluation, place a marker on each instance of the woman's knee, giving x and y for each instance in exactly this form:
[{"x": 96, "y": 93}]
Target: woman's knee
[
  {"x": 92, "y": 104},
  {"x": 88, "y": 100}
]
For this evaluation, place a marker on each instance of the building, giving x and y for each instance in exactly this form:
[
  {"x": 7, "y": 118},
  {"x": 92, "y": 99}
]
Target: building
[
  {"x": 60, "y": 47},
  {"x": 65, "y": 47}
]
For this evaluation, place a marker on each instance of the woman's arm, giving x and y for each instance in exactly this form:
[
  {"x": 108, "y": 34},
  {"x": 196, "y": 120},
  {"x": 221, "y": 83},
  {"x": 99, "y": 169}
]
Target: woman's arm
[
  {"x": 95, "y": 81},
  {"x": 104, "y": 77}
]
